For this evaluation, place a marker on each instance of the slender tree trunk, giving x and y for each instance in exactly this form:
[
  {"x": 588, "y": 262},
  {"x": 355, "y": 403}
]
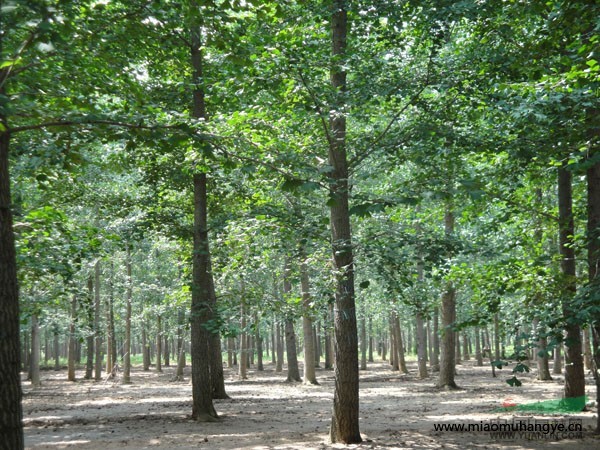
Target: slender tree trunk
[
  {"x": 421, "y": 346},
  {"x": 243, "y": 360},
  {"x": 363, "y": 342},
  {"x": 230, "y": 350},
  {"x": 72, "y": 341},
  {"x": 465, "y": 346},
  {"x": 273, "y": 344},
  {"x": 478, "y": 354},
  {"x": 97, "y": 334},
  {"x": 128, "y": 299},
  {"x": 317, "y": 342},
  {"x": 258, "y": 340},
  {"x": 448, "y": 356},
  {"x": 279, "y": 339},
  {"x": 541, "y": 352},
  {"x": 202, "y": 390},
  {"x": 400, "y": 345},
  {"x": 371, "y": 340},
  {"x": 203, "y": 286},
  {"x": 457, "y": 352},
  {"x": 574, "y": 374},
  {"x": 89, "y": 307},
  {"x": 329, "y": 340},
  {"x": 593, "y": 244},
  {"x": 11, "y": 413},
  {"x": 292, "y": 357},
  {"x": 56, "y": 349},
  {"x": 145, "y": 348},
  {"x": 587, "y": 350},
  {"x": 307, "y": 326},
  {"x": 421, "y": 332},
  {"x": 159, "y": 343},
  {"x": 34, "y": 359},
  {"x": 557, "y": 359},
  {"x": 344, "y": 423},
  {"x": 435, "y": 354}
]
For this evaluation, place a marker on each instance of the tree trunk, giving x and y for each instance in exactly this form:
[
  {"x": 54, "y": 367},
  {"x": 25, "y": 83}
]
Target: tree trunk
[
  {"x": 593, "y": 244},
  {"x": 279, "y": 339},
  {"x": 293, "y": 372},
  {"x": 344, "y": 423},
  {"x": 541, "y": 352},
  {"x": 371, "y": 340},
  {"x": 421, "y": 346},
  {"x": 243, "y": 360},
  {"x": 307, "y": 326},
  {"x": 89, "y": 307},
  {"x": 71, "y": 358},
  {"x": 145, "y": 348},
  {"x": 128, "y": 299},
  {"x": 465, "y": 346},
  {"x": 258, "y": 340},
  {"x": 11, "y": 428},
  {"x": 363, "y": 342},
  {"x": 400, "y": 345},
  {"x": 447, "y": 348},
  {"x": 435, "y": 354},
  {"x": 97, "y": 334},
  {"x": 159, "y": 343},
  {"x": 203, "y": 286},
  {"x": 557, "y": 365},
  {"x": 574, "y": 374},
  {"x": 34, "y": 359},
  {"x": 393, "y": 343},
  {"x": 56, "y": 349},
  {"x": 478, "y": 353},
  {"x": 202, "y": 392},
  {"x": 329, "y": 338}
]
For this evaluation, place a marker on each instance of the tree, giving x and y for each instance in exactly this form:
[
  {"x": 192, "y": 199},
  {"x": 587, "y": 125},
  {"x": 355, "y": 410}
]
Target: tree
[{"x": 344, "y": 422}]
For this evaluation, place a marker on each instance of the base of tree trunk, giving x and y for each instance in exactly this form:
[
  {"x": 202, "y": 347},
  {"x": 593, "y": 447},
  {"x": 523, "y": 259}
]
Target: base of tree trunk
[
  {"x": 177, "y": 378},
  {"x": 313, "y": 382},
  {"x": 204, "y": 417},
  {"x": 448, "y": 386},
  {"x": 293, "y": 380}
]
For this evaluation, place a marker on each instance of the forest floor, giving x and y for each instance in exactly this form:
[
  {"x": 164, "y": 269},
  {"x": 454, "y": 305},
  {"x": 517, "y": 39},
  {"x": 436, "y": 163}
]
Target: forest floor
[{"x": 264, "y": 412}]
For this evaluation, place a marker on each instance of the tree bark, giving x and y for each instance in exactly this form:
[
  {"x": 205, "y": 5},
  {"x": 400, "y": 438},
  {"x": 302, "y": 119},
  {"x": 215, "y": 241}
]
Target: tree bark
[
  {"x": 159, "y": 343},
  {"x": 371, "y": 340},
  {"x": 128, "y": 300},
  {"x": 593, "y": 243},
  {"x": 557, "y": 365},
  {"x": 478, "y": 353},
  {"x": 34, "y": 359},
  {"x": 279, "y": 345},
  {"x": 11, "y": 428},
  {"x": 202, "y": 391},
  {"x": 258, "y": 339},
  {"x": 541, "y": 352},
  {"x": 97, "y": 334},
  {"x": 363, "y": 342},
  {"x": 243, "y": 360},
  {"x": 448, "y": 345},
  {"x": 89, "y": 307},
  {"x": 344, "y": 423},
  {"x": 71, "y": 358},
  {"x": 421, "y": 346},
  {"x": 574, "y": 374},
  {"x": 435, "y": 354},
  {"x": 307, "y": 325}
]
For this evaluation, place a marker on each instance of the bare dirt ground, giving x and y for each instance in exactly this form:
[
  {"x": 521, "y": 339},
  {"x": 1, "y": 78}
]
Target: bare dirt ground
[{"x": 265, "y": 412}]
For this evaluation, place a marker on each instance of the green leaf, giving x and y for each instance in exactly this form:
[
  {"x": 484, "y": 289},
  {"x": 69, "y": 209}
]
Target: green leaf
[{"x": 514, "y": 381}]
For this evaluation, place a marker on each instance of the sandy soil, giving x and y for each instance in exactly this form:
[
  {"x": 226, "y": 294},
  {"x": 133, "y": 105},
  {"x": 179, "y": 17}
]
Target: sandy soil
[{"x": 265, "y": 412}]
